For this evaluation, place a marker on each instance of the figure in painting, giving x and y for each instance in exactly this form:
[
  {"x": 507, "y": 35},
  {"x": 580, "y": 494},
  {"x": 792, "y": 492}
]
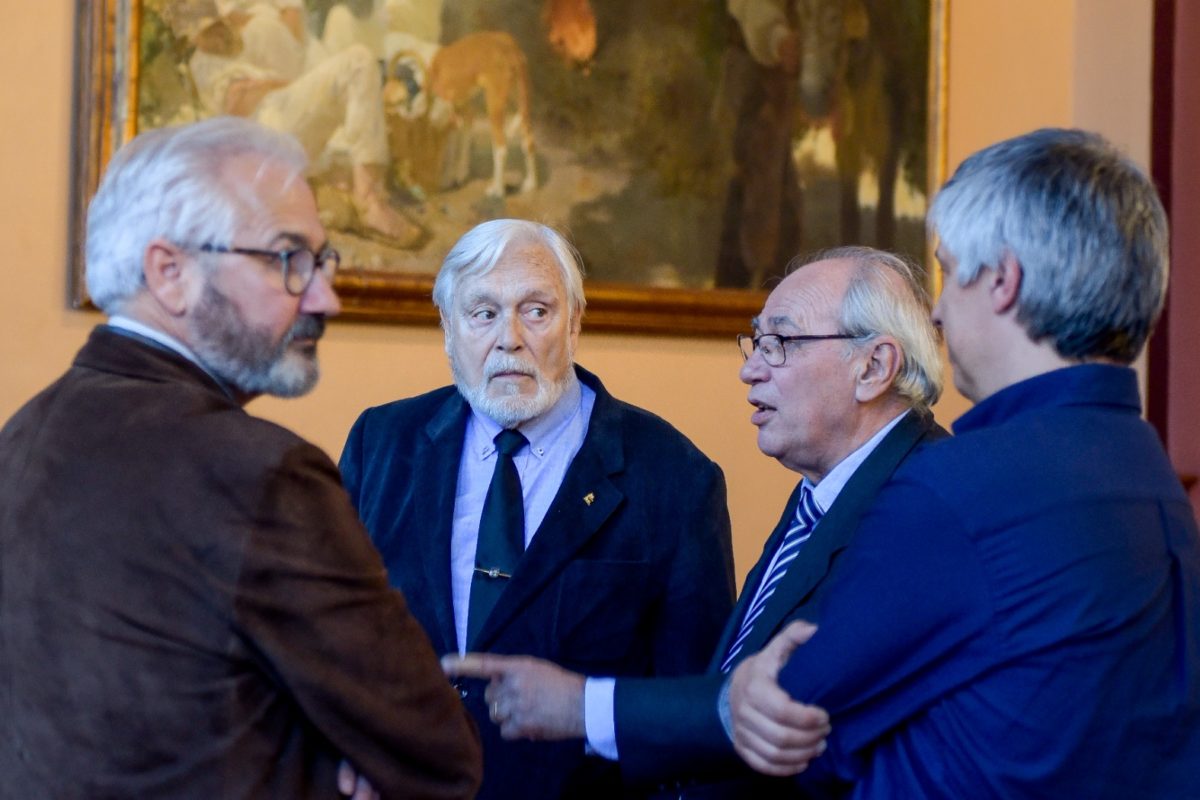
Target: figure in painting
[
  {"x": 762, "y": 217},
  {"x": 855, "y": 69},
  {"x": 255, "y": 59}
]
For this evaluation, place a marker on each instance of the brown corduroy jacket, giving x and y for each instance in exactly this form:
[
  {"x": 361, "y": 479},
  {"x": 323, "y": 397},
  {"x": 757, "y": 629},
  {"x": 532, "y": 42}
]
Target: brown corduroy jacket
[{"x": 189, "y": 606}]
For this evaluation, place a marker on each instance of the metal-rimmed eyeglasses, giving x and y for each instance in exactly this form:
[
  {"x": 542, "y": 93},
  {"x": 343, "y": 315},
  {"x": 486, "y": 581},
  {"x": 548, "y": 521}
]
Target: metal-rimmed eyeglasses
[
  {"x": 298, "y": 264},
  {"x": 771, "y": 345}
]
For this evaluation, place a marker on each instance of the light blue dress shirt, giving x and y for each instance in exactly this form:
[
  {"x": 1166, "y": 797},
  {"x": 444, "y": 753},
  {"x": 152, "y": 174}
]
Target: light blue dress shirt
[{"x": 554, "y": 439}]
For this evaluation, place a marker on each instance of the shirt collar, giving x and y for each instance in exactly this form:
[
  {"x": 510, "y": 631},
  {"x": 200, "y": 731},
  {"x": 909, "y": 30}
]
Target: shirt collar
[
  {"x": 1083, "y": 384},
  {"x": 166, "y": 340},
  {"x": 543, "y": 432},
  {"x": 154, "y": 334},
  {"x": 825, "y": 492}
]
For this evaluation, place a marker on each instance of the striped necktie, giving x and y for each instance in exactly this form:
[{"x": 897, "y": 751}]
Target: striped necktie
[{"x": 806, "y": 518}]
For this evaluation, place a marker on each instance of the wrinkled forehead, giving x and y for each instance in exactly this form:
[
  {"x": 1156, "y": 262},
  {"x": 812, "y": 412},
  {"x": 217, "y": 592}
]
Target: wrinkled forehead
[
  {"x": 801, "y": 304},
  {"x": 524, "y": 266}
]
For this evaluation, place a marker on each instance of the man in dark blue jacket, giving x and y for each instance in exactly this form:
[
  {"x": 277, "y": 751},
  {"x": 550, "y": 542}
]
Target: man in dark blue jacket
[
  {"x": 620, "y": 560},
  {"x": 1020, "y": 615}
]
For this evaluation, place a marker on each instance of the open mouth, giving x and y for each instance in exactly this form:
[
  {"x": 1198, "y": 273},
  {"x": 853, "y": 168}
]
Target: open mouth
[{"x": 762, "y": 412}]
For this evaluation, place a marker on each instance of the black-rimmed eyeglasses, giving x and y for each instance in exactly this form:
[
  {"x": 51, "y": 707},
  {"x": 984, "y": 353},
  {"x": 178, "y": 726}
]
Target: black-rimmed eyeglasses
[
  {"x": 299, "y": 264},
  {"x": 771, "y": 345}
]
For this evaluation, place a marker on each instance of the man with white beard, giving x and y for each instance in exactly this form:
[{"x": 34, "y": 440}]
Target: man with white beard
[{"x": 525, "y": 510}]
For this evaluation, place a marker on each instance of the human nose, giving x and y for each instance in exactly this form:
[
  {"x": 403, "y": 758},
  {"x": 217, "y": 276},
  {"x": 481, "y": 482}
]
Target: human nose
[
  {"x": 319, "y": 297},
  {"x": 509, "y": 334},
  {"x": 754, "y": 369}
]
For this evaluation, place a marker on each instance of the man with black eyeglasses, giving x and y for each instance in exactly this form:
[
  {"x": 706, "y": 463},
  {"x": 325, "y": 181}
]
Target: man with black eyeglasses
[
  {"x": 189, "y": 606},
  {"x": 842, "y": 366},
  {"x": 1019, "y": 615}
]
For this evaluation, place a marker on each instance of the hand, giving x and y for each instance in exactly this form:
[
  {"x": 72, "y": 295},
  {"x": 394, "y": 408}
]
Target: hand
[
  {"x": 527, "y": 697},
  {"x": 353, "y": 785},
  {"x": 773, "y": 733}
]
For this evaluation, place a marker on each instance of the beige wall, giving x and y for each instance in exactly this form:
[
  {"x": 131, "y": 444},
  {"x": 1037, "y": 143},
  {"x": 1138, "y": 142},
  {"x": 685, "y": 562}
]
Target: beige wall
[{"x": 1014, "y": 65}]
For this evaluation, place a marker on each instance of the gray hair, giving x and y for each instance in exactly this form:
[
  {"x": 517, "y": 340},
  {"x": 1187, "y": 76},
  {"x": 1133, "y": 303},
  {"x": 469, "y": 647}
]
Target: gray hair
[
  {"x": 872, "y": 307},
  {"x": 1086, "y": 226},
  {"x": 167, "y": 183},
  {"x": 480, "y": 248}
]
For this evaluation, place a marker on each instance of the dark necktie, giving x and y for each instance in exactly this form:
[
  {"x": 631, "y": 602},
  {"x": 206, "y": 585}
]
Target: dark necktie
[
  {"x": 501, "y": 533},
  {"x": 806, "y": 518}
]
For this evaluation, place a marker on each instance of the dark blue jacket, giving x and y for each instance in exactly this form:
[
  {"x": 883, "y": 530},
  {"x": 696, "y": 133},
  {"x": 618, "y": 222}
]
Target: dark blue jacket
[
  {"x": 637, "y": 582},
  {"x": 1020, "y": 614}
]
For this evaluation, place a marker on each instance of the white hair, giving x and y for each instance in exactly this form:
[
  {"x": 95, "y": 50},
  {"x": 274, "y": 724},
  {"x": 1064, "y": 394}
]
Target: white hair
[
  {"x": 1084, "y": 223},
  {"x": 167, "y": 183},
  {"x": 480, "y": 249},
  {"x": 872, "y": 307}
]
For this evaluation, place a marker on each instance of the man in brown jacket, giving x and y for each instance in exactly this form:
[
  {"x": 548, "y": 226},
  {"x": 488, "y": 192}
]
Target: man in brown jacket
[{"x": 189, "y": 606}]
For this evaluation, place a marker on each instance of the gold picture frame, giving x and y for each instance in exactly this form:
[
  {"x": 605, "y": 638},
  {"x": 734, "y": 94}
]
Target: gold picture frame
[{"x": 609, "y": 153}]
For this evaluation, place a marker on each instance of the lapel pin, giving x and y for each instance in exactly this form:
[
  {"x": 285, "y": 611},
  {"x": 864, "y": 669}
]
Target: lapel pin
[{"x": 589, "y": 498}]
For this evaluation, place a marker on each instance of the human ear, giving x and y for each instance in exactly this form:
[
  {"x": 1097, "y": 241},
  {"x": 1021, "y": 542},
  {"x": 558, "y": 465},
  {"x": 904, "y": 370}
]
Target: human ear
[
  {"x": 877, "y": 371},
  {"x": 1005, "y": 283},
  {"x": 575, "y": 325},
  {"x": 447, "y": 332},
  {"x": 168, "y": 279}
]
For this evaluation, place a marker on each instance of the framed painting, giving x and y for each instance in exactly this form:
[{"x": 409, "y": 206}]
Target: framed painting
[{"x": 689, "y": 150}]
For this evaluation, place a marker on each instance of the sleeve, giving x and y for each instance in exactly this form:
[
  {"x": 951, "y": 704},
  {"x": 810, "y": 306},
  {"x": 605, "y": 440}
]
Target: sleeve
[
  {"x": 312, "y": 600},
  {"x": 668, "y": 728},
  {"x": 909, "y": 599}
]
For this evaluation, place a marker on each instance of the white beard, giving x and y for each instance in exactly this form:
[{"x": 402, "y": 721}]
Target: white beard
[{"x": 511, "y": 408}]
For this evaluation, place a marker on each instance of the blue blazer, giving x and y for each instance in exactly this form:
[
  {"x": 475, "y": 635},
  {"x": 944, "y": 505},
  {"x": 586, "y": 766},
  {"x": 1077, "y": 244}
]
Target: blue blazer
[
  {"x": 639, "y": 582},
  {"x": 1019, "y": 615},
  {"x": 668, "y": 731}
]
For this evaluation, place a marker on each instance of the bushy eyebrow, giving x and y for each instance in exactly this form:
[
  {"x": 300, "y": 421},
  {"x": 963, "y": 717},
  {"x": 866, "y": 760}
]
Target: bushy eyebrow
[
  {"x": 294, "y": 240},
  {"x": 534, "y": 296},
  {"x": 778, "y": 321}
]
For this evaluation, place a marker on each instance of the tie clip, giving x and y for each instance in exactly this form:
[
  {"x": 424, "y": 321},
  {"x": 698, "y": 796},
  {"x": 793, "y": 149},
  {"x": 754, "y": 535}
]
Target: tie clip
[{"x": 493, "y": 572}]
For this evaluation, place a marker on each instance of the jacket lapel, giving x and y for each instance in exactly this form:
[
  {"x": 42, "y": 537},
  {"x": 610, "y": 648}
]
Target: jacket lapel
[
  {"x": 584, "y": 502},
  {"x": 836, "y": 528},
  {"x": 752, "y": 580},
  {"x": 434, "y": 486}
]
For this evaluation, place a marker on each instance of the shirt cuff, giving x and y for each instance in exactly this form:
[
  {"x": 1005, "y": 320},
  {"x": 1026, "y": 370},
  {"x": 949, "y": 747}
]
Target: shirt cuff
[
  {"x": 723, "y": 709},
  {"x": 599, "y": 717}
]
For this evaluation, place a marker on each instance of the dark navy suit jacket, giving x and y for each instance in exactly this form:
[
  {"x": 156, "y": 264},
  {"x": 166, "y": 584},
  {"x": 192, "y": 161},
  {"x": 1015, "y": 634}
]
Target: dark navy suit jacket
[
  {"x": 638, "y": 582},
  {"x": 1020, "y": 614},
  {"x": 668, "y": 731}
]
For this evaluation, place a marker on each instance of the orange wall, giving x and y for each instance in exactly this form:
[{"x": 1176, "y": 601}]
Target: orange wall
[{"x": 1014, "y": 65}]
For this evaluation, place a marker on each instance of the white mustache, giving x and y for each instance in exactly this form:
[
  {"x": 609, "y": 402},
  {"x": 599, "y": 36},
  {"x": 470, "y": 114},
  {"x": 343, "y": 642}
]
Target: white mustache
[{"x": 499, "y": 364}]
